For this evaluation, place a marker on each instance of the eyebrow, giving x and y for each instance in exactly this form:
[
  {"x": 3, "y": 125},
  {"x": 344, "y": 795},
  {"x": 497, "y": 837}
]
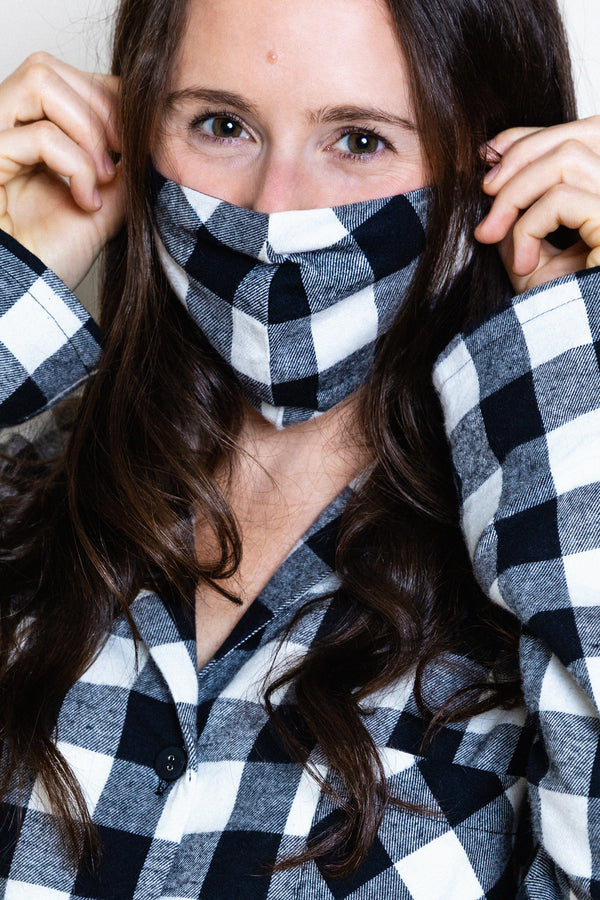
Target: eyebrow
[
  {"x": 360, "y": 114},
  {"x": 327, "y": 114},
  {"x": 206, "y": 95}
]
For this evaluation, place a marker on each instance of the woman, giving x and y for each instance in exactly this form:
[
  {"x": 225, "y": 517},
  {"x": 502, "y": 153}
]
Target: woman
[{"x": 319, "y": 558}]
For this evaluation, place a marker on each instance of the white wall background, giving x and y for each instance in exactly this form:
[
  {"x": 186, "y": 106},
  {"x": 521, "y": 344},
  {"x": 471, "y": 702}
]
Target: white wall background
[{"x": 79, "y": 32}]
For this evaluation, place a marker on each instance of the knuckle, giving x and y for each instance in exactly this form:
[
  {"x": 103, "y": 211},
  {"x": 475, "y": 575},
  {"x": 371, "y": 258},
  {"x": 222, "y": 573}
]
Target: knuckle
[
  {"x": 39, "y": 58},
  {"x": 38, "y": 69},
  {"x": 559, "y": 192}
]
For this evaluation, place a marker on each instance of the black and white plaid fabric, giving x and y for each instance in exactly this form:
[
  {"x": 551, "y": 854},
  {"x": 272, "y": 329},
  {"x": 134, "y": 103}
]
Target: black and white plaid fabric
[
  {"x": 48, "y": 342},
  {"x": 293, "y": 301},
  {"x": 192, "y": 792},
  {"x": 521, "y": 395}
]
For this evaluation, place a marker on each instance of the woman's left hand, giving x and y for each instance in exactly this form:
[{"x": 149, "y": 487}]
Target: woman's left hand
[{"x": 546, "y": 177}]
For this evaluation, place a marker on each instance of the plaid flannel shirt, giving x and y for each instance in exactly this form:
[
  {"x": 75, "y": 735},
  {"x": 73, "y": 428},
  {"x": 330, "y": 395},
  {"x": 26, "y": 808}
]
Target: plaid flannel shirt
[{"x": 192, "y": 792}]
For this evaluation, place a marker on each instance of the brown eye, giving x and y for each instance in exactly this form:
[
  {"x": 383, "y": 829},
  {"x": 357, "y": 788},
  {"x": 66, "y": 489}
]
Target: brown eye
[
  {"x": 223, "y": 127},
  {"x": 361, "y": 143}
]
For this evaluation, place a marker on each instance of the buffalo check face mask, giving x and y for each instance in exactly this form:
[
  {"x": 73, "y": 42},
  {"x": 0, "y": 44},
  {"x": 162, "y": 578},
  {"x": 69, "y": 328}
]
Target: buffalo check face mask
[{"x": 293, "y": 301}]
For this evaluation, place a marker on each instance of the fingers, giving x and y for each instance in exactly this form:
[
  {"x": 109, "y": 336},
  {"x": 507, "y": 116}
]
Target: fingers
[
  {"x": 540, "y": 179},
  {"x": 517, "y": 186},
  {"x": 51, "y": 113},
  {"x": 575, "y": 208},
  {"x": 43, "y": 142}
]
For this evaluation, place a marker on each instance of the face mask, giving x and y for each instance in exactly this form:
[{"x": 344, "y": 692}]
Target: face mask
[{"x": 293, "y": 301}]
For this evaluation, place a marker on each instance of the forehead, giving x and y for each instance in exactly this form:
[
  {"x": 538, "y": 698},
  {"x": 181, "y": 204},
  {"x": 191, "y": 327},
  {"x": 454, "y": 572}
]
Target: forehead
[{"x": 294, "y": 46}]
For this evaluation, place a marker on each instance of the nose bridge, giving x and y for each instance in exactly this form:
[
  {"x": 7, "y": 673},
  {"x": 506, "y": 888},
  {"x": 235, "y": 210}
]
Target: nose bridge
[{"x": 283, "y": 182}]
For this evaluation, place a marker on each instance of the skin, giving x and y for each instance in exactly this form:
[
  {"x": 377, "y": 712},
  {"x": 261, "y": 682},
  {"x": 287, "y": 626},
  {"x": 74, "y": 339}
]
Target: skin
[
  {"x": 293, "y": 136},
  {"x": 270, "y": 113}
]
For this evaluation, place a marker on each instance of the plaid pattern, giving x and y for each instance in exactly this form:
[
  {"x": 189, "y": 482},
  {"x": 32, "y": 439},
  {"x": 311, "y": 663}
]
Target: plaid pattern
[
  {"x": 48, "y": 342},
  {"x": 233, "y": 802},
  {"x": 293, "y": 301},
  {"x": 521, "y": 395}
]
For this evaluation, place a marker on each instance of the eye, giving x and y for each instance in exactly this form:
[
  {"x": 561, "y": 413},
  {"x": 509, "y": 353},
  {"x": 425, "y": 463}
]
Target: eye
[
  {"x": 359, "y": 143},
  {"x": 222, "y": 127}
]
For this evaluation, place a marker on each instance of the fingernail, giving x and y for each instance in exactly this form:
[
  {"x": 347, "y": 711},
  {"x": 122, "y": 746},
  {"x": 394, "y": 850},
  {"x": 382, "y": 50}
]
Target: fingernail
[
  {"x": 489, "y": 176},
  {"x": 97, "y": 199},
  {"x": 109, "y": 164}
]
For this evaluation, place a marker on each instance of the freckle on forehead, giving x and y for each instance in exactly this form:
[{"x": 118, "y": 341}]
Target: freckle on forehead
[{"x": 272, "y": 57}]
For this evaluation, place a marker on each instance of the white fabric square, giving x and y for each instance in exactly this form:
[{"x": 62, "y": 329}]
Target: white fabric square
[
  {"x": 461, "y": 395},
  {"x": 173, "y": 819},
  {"x": 479, "y": 509},
  {"x": 48, "y": 326},
  {"x": 248, "y": 681},
  {"x": 582, "y": 571},
  {"x": 304, "y": 805},
  {"x": 250, "y": 352},
  {"x": 565, "y": 833},
  {"x": 440, "y": 871},
  {"x": 395, "y": 696},
  {"x": 178, "y": 670},
  {"x": 24, "y": 890},
  {"x": 89, "y": 767},
  {"x": 177, "y": 276},
  {"x": 395, "y": 761},
  {"x": 553, "y": 321},
  {"x": 116, "y": 664},
  {"x": 574, "y": 452},
  {"x": 495, "y": 594},
  {"x": 217, "y": 785},
  {"x": 561, "y": 693},
  {"x": 203, "y": 205},
  {"x": 304, "y": 230},
  {"x": 344, "y": 328},
  {"x": 485, "y": 722}
]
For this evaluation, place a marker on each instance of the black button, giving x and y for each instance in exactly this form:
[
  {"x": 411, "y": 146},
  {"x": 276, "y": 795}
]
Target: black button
[{"x": 170, "y": 763}]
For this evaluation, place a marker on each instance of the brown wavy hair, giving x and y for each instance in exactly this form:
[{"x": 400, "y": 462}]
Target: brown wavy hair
[{"x": 83, "y": 531}]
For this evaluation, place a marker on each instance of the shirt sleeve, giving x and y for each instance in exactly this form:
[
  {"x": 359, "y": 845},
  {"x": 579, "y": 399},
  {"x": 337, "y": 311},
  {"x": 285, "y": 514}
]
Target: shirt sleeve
[
  {"x": 521, "y": 400},
  {"x": 49, "y": 344}
]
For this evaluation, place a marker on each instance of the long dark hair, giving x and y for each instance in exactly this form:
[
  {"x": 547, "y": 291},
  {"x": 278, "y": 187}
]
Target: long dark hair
[{"x": 84, "y": 531}]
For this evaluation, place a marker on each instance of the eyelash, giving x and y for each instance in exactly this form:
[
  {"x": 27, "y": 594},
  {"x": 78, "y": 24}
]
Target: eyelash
[{"x": 199, "y": 120}]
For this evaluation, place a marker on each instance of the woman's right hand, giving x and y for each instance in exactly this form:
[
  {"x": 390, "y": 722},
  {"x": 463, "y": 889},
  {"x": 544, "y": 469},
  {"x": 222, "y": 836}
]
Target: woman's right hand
[{"x": 60, "y": 193}]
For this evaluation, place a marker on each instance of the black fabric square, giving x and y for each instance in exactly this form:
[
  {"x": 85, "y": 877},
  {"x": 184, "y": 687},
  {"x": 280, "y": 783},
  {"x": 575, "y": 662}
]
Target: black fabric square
[
  {"x": 248, "y": 631},
  {"x": 218, "y": 267},
  {"x": 11, "y": 818},
  {"x": 595, "y": 778},
  {"x": 94, "y": 329},
  {"x": 459, "y": 790},
  {"x": 520, "y": 758},
  {"x": 373, "y": 237},
  {"x": 116, "y": 876},
  {"x": 559, "y": 631},
  {"x": 287, "y": 295},
  {"x": 595, "y": 889},
  {"x": 528, "y": 536},
  {"x": 539, "y": 763},
  {"x": 23, "y": 403},
  {"x": 150, "y": 725},
  {"x": 302, "y": 392},
  {"x": 376, "y": 862},
  {"x": 324, "y": 542},
  {"x": 269, "y": 746},
  {"x": 202, "y": 714},
  {"x": 22, "y": 253},
  {"x": 241, "y": 866},
  {"x": 506, "y": 887},
  {"x": 511, "y": 416},
  {"x": 410, "y": 731}
]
